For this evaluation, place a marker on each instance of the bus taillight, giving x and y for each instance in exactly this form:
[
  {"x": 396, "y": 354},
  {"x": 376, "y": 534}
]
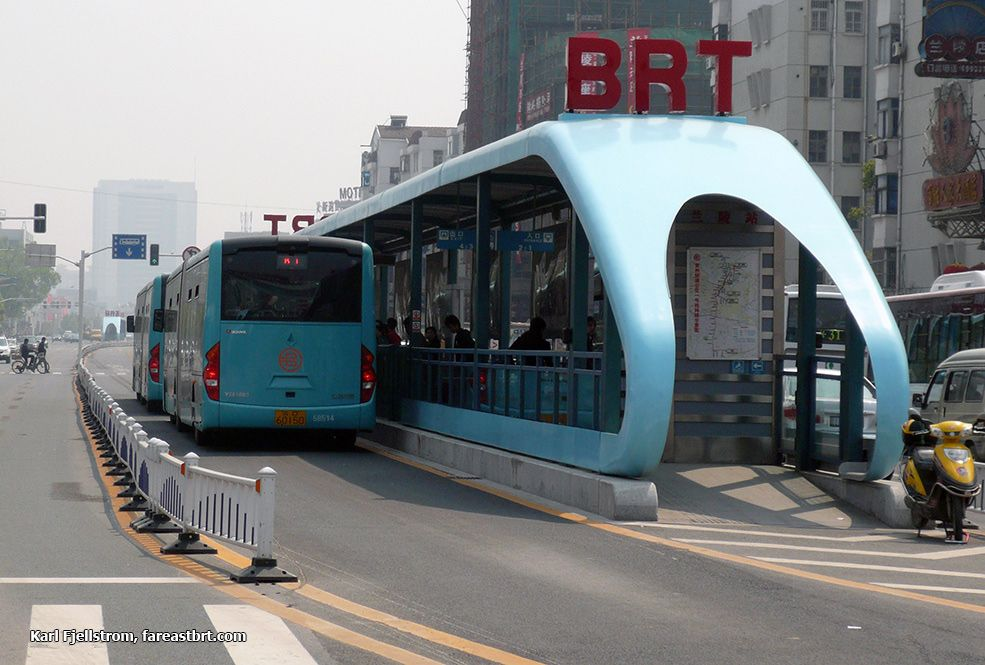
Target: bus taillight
[
  {"x": 367, "y": 380},
  {"x": 210, "y": 375},
  {"x": 154, "y": 366}
]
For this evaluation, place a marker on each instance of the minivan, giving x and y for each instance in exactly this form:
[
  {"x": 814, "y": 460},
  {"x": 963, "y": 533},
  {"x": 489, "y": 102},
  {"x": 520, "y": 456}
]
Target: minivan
[{"x": 956, "y": 392}]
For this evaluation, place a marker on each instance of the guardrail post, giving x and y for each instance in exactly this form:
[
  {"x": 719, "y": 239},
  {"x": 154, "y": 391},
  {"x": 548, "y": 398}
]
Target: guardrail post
[
  {"x": 154, "y": 520},
  {"x": 264, "y": 568},
  {"x": 188, "y": 540}
]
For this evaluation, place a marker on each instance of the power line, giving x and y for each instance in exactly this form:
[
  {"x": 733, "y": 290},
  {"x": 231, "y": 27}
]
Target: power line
[
  {"x": 144, "y": 196},
  {"x": 462, "y": 10}
]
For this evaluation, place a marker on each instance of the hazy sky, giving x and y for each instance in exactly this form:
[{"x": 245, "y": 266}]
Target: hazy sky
[{"x": 264, "y": 104}]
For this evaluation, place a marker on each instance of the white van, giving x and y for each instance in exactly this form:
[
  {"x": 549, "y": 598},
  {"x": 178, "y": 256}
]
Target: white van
[{"x": 956, "y": 392}]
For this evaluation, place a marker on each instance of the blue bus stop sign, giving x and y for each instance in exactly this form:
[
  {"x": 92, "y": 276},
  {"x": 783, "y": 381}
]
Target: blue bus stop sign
[{"x": 129, "y": 246}]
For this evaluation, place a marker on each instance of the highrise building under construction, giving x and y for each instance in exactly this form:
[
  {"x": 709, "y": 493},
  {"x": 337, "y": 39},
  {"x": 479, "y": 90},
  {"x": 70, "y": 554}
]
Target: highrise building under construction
[{"x": 517, "y": 69}]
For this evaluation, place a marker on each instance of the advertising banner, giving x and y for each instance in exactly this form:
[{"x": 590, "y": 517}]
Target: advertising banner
[{"x": 953, "y": 40}]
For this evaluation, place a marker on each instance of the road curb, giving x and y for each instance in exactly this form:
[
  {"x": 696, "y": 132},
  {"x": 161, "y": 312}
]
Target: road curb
[{"x": 608, "y": 496}]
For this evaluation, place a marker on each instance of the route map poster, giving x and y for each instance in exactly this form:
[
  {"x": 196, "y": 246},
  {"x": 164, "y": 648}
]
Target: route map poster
[{"x": 724, "y": 307}]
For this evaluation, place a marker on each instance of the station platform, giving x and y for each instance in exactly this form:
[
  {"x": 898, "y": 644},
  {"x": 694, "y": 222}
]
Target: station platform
[{"x": 760, "y": 495}]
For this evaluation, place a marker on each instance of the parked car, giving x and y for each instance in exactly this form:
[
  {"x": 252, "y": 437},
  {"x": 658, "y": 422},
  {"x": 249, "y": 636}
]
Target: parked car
[
  {"x": 5, "y": 352},
  {"x": 957, "y": 392},
  {"x": 827, "y": 416}
]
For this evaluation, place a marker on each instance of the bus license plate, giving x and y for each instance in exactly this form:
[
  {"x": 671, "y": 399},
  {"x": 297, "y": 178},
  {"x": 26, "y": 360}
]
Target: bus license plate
[{"x": 290, "y": 418}]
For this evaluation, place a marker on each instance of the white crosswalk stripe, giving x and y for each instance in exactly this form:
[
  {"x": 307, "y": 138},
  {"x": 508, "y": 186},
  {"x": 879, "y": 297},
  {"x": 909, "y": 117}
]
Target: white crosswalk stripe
[
  {"x": 270, "y": 640},
  {"x": 50, "y": 645}
]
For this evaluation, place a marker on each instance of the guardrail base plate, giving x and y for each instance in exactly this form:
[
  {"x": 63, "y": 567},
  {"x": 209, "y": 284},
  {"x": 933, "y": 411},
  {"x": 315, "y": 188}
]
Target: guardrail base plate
[
  {"x": 188, "y": 543},
  {"x": 263, "y": 571}
]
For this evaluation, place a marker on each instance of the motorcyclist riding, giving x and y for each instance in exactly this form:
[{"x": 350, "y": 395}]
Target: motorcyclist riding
[{"x": 27, "y": 353}]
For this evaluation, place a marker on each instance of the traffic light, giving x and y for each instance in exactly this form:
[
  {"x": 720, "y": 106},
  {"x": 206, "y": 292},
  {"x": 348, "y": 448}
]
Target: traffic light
[
  {"x": 154, "y": 254},
  {"x": 40, "y": 217}
]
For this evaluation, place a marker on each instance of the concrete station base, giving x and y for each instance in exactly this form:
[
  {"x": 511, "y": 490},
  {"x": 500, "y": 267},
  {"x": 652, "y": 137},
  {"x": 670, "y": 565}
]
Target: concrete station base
[
  {"x": 883, "y": 499},
  {"x": 608, "y": 496}
]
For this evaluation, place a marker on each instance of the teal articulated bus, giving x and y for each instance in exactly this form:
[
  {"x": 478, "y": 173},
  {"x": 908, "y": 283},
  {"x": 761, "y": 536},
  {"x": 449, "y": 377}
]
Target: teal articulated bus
[
  {"x": 147, "y": 327},
  {"x": 271, "y": 333}
]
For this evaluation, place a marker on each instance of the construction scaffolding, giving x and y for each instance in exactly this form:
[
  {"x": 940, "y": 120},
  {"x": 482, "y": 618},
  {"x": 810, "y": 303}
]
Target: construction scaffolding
[{"x": 516, "y": 70}]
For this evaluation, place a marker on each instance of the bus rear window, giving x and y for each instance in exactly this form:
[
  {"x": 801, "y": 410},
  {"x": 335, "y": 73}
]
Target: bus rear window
[{"x": 264, "y": 285}]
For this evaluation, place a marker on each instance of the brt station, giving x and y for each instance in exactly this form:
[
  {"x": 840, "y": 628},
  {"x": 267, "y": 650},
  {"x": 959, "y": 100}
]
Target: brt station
[{"x": 669, "y": 232}]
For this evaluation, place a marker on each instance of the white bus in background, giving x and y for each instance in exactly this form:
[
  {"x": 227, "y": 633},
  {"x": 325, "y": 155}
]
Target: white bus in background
[
  {"x": 832, "y": 314},
  {"x": 938, "y": 323}
]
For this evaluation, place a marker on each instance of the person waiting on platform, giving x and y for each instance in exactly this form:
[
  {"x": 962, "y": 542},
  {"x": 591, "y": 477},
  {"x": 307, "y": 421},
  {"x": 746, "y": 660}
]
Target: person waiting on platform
[
  {"x": 431, "y": 339},
  {"x": 590, "y": 327},
  {"x": 533, "y": 340},
  {"x": 462, "y": 337},
  {"x": 392, "y": 336}
]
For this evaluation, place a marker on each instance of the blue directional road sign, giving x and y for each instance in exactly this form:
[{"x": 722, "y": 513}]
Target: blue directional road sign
[{"x": 129, "y": 246}]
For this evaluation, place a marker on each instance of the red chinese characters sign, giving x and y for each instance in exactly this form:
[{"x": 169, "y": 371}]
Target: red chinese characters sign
[{"x": 953, "y": 191}]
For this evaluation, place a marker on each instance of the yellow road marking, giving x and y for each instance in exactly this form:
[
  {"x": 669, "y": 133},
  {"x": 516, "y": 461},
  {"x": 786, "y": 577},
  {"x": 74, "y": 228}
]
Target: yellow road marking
[
  {"x": 299, "y": 617},
  {"x": 694, "y": 549},
  {"x": 432, "y": 635}
]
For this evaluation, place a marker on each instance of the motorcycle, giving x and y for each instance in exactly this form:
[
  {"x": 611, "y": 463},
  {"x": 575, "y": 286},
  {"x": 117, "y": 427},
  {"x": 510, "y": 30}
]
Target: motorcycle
[{"x": 938, "y": 473}]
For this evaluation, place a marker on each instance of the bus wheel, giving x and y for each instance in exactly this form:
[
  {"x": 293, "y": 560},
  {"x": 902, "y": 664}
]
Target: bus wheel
[
  {"x": 206, "y": 438},
  {"x": 345, "y": 437}
]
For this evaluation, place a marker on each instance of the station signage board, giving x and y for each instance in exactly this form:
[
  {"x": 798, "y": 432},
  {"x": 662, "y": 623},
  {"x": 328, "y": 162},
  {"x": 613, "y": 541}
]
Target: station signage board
[
  {"x": 526, "y": 241},
  {"x": 456, "y": 239},
  {"x": 595, "y": 60}
]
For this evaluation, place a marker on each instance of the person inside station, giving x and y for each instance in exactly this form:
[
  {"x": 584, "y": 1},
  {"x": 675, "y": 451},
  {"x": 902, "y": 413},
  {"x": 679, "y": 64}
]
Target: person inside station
[
  {"x": 431, "y": 339},
  {"x": 590, "y": 327},
  {"x": 462, "y": 338},
  {"x": 392, "y": 336},
  {"x": 533, "y": 340}
]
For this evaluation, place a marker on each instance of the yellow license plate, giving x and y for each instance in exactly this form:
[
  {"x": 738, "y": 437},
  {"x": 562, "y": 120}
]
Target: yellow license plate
[{"x": 290, "y": 418}]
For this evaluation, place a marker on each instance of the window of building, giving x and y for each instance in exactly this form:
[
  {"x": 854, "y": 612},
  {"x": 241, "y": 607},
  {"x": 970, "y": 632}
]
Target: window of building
[
  {"x": 405, "y": 163},
  {"x": 849, "y": 203},
  {"x": 817, "y": 146},
  {"x": 884, "y": 266},
  {"x": 439, "y": 156},
  {"x": 888, "y": 35},
  {"x": 887, "y": 117},
  {"x": 818, "y": 84},
  {"x": 854, "y": 17},
  {"x": 819, "y": 15},
  {"x": 851, "y": 147},
  {"x": 394, "y": 175},
  {"x": 720, "y": 31},
  {"x": 852, "y": 83},
  {"x": 887, "y": 193}
]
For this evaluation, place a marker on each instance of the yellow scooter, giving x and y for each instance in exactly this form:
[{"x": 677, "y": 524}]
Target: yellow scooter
[{"x": 938, "y": 473}]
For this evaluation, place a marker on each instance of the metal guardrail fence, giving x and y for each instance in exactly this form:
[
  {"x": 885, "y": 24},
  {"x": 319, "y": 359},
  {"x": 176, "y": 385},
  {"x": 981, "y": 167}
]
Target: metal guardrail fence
[
  {"x": 979, "y": 502},
  {"x": 562, "y": 387},
  {"x": 177, "y": 495}
]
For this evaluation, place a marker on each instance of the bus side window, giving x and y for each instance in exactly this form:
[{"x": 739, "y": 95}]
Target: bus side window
[{"x": 935, "y": 388}]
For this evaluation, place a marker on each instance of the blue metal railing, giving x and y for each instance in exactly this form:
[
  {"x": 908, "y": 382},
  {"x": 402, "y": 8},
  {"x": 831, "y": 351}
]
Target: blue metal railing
[{"x": 561, "y": 387}]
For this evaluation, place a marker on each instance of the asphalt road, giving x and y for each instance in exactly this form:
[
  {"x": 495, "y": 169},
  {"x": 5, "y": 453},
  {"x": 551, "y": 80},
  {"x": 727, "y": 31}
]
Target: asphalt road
[{"x": 439, "y": 552}]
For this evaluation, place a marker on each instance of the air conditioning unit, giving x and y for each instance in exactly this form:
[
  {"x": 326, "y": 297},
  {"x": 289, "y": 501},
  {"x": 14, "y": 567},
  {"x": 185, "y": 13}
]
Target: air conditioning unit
[
  {"x": 897, "y": 50},
  {"x": 879, "y": 149}
]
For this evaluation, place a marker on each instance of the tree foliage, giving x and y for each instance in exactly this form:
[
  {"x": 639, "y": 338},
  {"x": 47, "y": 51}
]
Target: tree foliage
[{"x": 28, "y": 285}]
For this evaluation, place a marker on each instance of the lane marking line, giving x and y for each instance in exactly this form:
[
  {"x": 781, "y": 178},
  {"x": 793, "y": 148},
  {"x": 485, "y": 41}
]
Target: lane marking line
[
  {"x": 925, "y": 556},
  {"x": 270, "y": 640},
  {"x": 57, "y": 618},
  {"x": 99, "y": 580},
  {"x": 872, "y": 566},
  {"x": 687, "y": 547},
  {"x": 489, "y": 653},
  {"x": 923, "y": 587},
  {"x": 222, "y": 584},
  {"x": 750, "y": 532}
]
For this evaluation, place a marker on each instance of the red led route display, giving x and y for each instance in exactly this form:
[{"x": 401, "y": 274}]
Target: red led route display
[{"x": 671, "y": 79}]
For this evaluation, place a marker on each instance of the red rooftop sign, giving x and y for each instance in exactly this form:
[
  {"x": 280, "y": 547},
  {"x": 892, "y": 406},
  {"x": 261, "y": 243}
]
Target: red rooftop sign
[{"x": 594, "y": 69}]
